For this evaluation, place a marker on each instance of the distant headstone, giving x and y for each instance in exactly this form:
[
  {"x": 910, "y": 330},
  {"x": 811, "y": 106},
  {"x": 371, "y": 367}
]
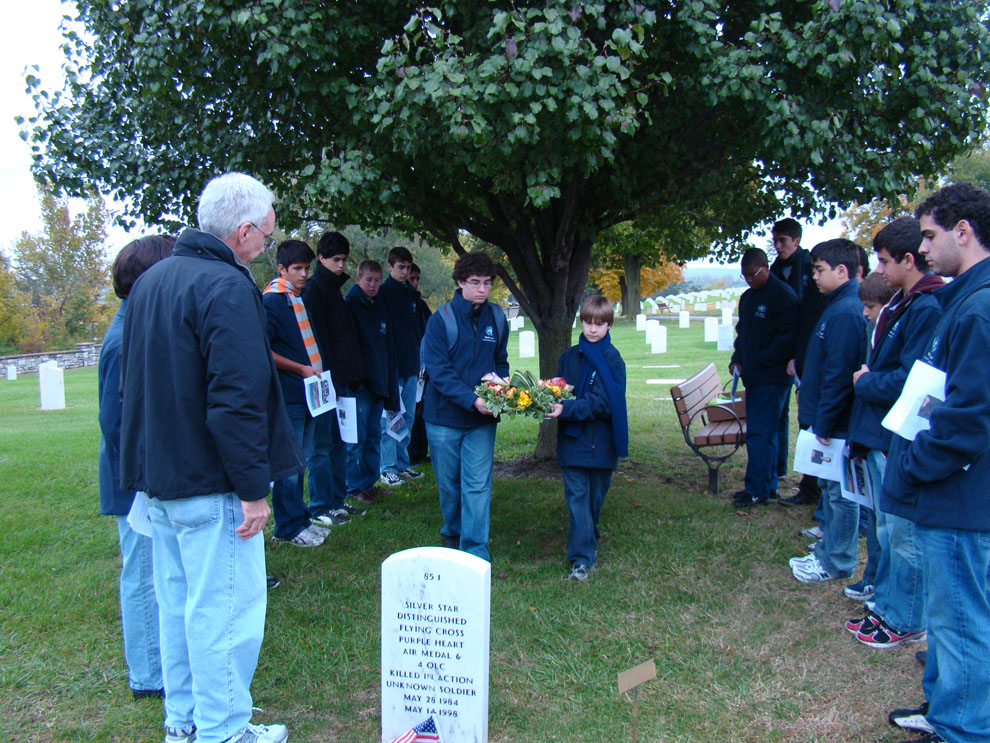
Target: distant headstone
[
  {"x": 711, "y": 329},
  {"x": 527, "y": 344},
  {"x": 640, "y": 321},
  {"x": 683, "y": 319},
  {"x": 701, "y": 307},
  {"x": 516, "y": 323},
  {"x": 725, "y": 335},
  {"x": 11, "y": 372},
  {"x": 436, "y": 611},
  {"x": 659, "y": 342},
  {"x": 727, "y": 316},
  {"x": 52, "y": 386}
]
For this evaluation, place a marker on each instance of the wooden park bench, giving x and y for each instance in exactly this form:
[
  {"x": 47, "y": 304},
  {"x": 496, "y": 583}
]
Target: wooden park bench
[{"x": 714, "y": 431}]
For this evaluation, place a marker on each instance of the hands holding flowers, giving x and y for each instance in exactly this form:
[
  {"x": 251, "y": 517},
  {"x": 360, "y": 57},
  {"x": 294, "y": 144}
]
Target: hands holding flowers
[{"x": 524, "y": 394}]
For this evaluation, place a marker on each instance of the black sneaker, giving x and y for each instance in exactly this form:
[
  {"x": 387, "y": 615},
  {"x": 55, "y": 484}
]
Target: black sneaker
[
  {"x": 742, "y": 499},
  {"x": 800, "y": 498},
  {"x": 273, "y": 582},
  {"x": 912, "y": 719},
  {"x": 353, "y": 510}
]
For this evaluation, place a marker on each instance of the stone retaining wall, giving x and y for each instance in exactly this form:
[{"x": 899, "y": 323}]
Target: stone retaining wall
[{"x": 84, "y": 354}]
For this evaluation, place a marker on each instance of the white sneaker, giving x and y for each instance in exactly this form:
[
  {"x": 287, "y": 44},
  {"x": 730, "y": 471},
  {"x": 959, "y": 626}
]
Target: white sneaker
[
  {"x": 311, "y": 536},
  {"x": 338, "y": 517},
  {"x": 795, "y": 561},
  {"x": 264, "y": 734},
  {"x": 410, "y": 474},
  {"x": 391, "y": 479},
  {"x": 811, "y": 571}
]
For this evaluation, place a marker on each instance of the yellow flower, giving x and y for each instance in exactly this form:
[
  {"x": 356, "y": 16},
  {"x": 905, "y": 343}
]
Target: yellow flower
[
  {"x": 524, "y": 400},
  {"x": 555, "y": 389}
]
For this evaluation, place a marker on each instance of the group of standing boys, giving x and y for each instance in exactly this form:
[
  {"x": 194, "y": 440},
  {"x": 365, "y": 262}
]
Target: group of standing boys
[
  {"x": 929, "y": 532},
  {"x": 202, "y": 407}
]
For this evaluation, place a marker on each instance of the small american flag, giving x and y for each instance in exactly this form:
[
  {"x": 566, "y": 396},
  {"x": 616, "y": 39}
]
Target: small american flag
[{"x": 425, "y": 732}]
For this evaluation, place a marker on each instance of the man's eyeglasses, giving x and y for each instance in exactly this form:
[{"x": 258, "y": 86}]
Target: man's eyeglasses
[
  {"x": 474, "y": 283},
  {"x": 749, "y": 278},
  {"x": 269, "y": 240}
]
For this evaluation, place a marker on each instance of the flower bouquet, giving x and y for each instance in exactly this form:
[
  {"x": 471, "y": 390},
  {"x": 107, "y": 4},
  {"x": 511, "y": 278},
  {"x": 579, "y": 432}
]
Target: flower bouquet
[{"x": 524, "y": 394}]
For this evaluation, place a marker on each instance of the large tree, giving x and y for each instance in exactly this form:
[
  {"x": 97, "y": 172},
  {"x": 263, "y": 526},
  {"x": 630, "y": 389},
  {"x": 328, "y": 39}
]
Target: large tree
[{"x": 531, "y": 125}]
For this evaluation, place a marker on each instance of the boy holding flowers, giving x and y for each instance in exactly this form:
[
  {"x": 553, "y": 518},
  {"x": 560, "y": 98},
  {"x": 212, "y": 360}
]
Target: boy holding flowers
[{"x": 593, "y": 431}]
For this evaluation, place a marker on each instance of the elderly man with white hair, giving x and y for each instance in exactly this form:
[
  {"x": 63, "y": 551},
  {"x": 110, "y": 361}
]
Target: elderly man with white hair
[{"x": 204, "y": 432}]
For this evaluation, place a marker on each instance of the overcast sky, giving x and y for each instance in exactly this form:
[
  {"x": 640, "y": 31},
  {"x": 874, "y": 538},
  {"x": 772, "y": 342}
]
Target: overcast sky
[{"x": 32, "y": 37}]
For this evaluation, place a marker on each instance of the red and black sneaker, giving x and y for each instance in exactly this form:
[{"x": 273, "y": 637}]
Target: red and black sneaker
[{"x": 885, "y": 636}]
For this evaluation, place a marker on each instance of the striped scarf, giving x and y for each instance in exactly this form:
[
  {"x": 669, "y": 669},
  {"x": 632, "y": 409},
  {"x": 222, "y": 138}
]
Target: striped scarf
[{"x": 281, "y": 286}]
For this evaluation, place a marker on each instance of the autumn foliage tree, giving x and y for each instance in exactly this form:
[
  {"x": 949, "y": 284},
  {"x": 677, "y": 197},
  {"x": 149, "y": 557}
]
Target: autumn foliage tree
[{"x": 64, "y": 271}]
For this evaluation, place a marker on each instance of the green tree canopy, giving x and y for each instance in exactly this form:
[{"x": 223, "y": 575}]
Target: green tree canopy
[{"x": 531, "y": 125}]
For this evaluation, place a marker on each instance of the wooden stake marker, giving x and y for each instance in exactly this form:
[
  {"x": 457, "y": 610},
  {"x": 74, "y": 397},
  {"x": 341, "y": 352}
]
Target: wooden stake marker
[{"x": 631, "y": 680}]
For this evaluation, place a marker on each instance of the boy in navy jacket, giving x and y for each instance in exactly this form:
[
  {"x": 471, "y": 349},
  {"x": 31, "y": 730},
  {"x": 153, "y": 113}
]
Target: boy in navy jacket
[
  {"x": 593, "y": 431},
  {"x": 401, "y": 302},
  {"x": 765, "y": 337},
  {"x": 459, "y": 427},
  {"x": 378, "y": 389},
  {"x": 939, "y": 480},
  {"x": 297, "y": 357},
  {"x": 903, "y": 328},
  {"x": 835, "y": 352}
]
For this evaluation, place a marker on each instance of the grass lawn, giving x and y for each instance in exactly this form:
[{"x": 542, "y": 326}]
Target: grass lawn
[{"x": 743, "y": 651}]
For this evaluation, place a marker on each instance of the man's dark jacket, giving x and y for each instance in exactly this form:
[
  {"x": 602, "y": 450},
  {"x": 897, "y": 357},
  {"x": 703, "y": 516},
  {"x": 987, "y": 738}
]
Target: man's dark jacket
[
  {"x": 939, "y": 480},
  {"x": 202, "y": 405},
  {"x": 380, "y": 375},
  {"x": 402, "y": 304},
  {"x": 913, "y": 317},
  {"x": 835, "y": 352},
  {"x": 333, "y": 326},
  {"x": 765, "y": 333}
]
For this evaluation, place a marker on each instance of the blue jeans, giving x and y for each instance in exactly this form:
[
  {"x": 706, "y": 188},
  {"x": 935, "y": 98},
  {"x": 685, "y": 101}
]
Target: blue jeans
[
  {"x": 584, "y": 490},
  {"x": 327, "y": 466},
  {"x": 462, "y": 464},
  {"x": 838, "y": 549},
  {"x": 763, "y": 406},
  {"x": 288, "y": 503},
  {"x": 139, "y": 609},
  {"x": 212, "y": 598},
  {"x": 395, "y": 454},
  {"x": 899, "y": 588},
  {"x": 364, "y": 458},
  {"x": 957, "y": 674}
]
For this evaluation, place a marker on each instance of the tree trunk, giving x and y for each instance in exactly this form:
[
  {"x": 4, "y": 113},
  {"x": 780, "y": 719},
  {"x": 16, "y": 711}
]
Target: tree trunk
[
  {"x": 553, "y": 343},
  {"x": 623, "y": 291},
  {"x": 634, "y": 266}
]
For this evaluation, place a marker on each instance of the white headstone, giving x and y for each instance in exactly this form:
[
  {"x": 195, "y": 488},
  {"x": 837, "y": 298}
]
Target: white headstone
[
  {"x": 516, "y": 323},
  {"x": 683, "y": 319},
  {"x": 640, "y": 321},
  {"x": 725, "y": 334},
  {"x": 11, "y": 372},
  {"x": 52, "y": 386},
  {"x": 700, "y": 307},
  {"x": 651, "y": 330},
  {"x": 436, "y": 611},
  {"x": 711, "y": 329},
  {"x": 727, "y": 316},
  {"x": 659, "y": 343},
  {"x": 527, "y": 344}
]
